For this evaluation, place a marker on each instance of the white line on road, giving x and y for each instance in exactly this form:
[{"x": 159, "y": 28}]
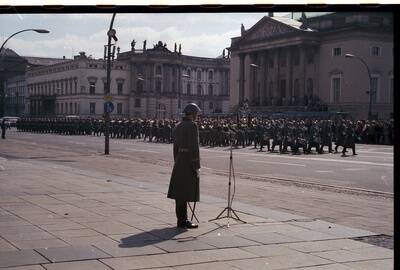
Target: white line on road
[
  {"x": 1, "y": 168},
  {"x": 324, "y": 171},
  {"x": 141, "y": 150},
  {"x": 355, "y": 169},
  {"x": 373, "y": 152},
  {"x": 280, "y": 163}
]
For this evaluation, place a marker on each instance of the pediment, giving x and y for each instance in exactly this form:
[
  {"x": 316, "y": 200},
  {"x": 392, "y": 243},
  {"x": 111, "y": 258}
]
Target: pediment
[{"x": 267, "y": 28}]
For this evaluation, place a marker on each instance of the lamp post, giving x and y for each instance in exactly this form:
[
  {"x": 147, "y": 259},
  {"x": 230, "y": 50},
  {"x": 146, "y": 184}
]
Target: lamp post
[
  {"x": 111, "y": 35},
  {"x": 369, "y": 92},
  {"x": 40, "y": 31}
]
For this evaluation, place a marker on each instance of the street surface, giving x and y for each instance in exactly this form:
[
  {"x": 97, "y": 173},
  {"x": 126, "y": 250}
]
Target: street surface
[
  {"x": 263, "y": 179},
  {"x": 371, "y": 169}
]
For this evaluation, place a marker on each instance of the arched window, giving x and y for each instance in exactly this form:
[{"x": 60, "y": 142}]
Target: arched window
[
  {"x": 210, "y": 75},
  {"x": 189, "y": 73},
  {"x": 188, "y": 89},
  {"x": 210, "y": 90},
  {"x": 199, "y": 75},
  {"x": 199, "y": 90}
]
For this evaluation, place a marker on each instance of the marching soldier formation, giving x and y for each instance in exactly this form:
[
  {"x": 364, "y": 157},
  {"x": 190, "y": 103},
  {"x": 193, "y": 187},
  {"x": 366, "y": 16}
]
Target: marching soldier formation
[{"x": 283, "y": 135}]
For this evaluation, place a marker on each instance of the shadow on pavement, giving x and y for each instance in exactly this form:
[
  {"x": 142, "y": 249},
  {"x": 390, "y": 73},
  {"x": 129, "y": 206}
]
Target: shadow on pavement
[{"x": 151, "y": 237}]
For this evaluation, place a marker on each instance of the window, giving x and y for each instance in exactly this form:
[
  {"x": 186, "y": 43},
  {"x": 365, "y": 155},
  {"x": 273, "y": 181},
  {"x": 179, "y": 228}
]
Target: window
[
  {"x": 282, "y": 59},
  {"x": 92, "y": 88},
  {"x": 158, "y": 85},
  {"x": 375, "y": 88},
  {"x": 188, "y": 90},
  {"x": 391, "y": 90},
  {"x": 310, "y": 86},
  {"x": 138, "y": 103},
  {"x": 271, "y": 62},
  {"x": 337, "y": 51},
  {"x": 199, "y": 90},
  {"x": 296, "y": 57},
  {"x": 70, "y": 108},
  {"x": 158, "y": 70},
  {"x": 210, "y": 75},
  {"x": 211, "y": 105},
  {"x": 76, "y": 87},
  {"x": 57, "y": 108},
  {"x": 199, "y": 75},
  {"x": 283, "y": 88},
  {"x": 92, "y": 108},
  {"x": 62, "y": 108},
  {"x": 119, "y": 88},
  {"x": 310, "y": 58},
  {"x": 119, "y": 108},
  {"x": 189, "y": 73},
  {"x": 210, "y": 90},
  {"x": 76, "y": 108},
  {"x": 375, "y": 51},
  {"x": 139, "y": 86},
  {"x": 173, "y": 87},
  {"x": 335, "y": 90},
  {"x": 70, "y": 87},
  {"x": 296, "y": 88}
]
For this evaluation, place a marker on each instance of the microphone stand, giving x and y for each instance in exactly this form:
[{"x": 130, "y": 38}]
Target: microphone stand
[{"x": 229, "y": 210}]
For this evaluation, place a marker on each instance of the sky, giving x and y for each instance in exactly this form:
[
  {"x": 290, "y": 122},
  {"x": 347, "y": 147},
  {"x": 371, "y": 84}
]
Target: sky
[{"x": 200, "y": 34}]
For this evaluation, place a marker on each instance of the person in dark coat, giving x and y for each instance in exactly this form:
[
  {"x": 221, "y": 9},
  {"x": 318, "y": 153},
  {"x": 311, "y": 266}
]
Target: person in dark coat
[
  {"x": 184, "y": 184},
  {"x": 3, "y": 128}
]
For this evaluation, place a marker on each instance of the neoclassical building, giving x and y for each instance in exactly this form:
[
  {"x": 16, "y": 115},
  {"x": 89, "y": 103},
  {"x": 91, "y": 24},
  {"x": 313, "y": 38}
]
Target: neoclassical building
[
  {"x": 164, "y": 81},
  {"x": 153, "y": 83},
  {"x": 281, "y": 64}
]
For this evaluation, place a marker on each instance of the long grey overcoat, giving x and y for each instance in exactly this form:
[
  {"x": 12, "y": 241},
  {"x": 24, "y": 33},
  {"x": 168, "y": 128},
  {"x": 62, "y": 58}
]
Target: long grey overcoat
[{"x": 184, "y": 183}]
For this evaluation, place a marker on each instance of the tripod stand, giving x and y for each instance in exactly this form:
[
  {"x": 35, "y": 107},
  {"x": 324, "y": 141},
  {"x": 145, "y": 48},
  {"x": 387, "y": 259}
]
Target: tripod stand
[{"x": 229, "y": 210}]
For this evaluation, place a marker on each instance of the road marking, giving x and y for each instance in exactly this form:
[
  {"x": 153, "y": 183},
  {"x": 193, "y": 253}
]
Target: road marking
[
  {"x": 280, "y": 163},
  {"x": 355, "y": 169},
  {"x": 141, "y": 150},
  {"x": 1, "y": 168},
  {"x": 372, "y": 152},
  {"x": 324, "y": 171}
]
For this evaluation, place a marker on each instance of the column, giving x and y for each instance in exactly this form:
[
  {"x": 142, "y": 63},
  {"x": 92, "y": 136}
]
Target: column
[{"x": 241, "y": 78}]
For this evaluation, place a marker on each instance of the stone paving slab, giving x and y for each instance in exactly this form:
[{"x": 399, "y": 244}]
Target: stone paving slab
[
  {"x": 20, "y": 257},
  {"x": 363, "y": 254},
  {"x": 71, "y": 253},
  {"x": 30, "y": 267},
  {"x": 81, "y": 265},
  {"x": 279, "y": 262},
  {"x": 372, "y": 264}
]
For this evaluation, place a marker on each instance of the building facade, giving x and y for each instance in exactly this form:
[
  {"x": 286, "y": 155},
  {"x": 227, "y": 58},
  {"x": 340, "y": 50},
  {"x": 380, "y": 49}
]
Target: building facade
[
  {"x": 15, "y": 89},
  {"x": 151, "y": 83},
  {"x": 282, "y": 64},
  {"x": 164, "y": 81},
  {"x": 76, "y": 87}
]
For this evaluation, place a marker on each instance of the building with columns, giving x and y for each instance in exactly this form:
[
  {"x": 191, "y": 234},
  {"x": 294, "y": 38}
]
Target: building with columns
[
  {"x": 164, "y": 81},
  {"x": 281, "y": 64},
  {"x": 152, "y": 83}
]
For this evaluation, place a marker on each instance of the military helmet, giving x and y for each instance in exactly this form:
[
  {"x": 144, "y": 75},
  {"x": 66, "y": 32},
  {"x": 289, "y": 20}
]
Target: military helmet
[{"x": 191, "y": 108}]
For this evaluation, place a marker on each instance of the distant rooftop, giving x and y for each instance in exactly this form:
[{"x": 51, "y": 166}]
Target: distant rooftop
[{"x": 44, "y": 61}]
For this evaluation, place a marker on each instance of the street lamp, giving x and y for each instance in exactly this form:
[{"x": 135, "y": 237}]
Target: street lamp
[
  {"x": 369, "y": 92},
  {"x": 40, "y": 31},
  {"x": 111, "y": 35}
]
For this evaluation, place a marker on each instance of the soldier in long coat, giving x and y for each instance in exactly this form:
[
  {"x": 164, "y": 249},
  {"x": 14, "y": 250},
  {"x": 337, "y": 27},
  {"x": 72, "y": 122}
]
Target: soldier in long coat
[{"x": 184, "y": 184}]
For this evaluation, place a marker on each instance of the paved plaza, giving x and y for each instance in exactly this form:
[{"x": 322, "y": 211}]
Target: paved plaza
[{"x": 63, "y": 208}]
